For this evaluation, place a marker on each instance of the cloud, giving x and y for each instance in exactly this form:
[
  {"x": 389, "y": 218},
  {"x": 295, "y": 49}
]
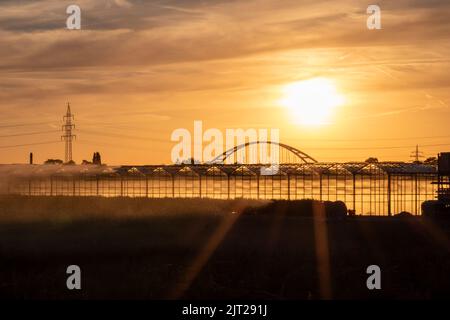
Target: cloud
[
  {"x": 123, "y": 3},
  {"x": 176, "y": 32},
  {"x": 178, "y": 55}
]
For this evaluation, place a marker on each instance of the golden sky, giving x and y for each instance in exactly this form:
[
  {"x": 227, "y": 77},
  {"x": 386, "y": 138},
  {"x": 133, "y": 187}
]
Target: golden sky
[{"x": 138, "y": 70}]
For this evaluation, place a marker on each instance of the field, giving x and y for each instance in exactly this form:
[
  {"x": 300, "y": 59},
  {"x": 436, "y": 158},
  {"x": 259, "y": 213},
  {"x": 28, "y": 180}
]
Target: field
[{"x": 209, "y": 249}]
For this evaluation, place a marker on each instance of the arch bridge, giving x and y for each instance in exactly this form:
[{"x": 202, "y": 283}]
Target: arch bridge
[
  {"x": 380, "y": 188},
  {"x": 256, "y": 152}
]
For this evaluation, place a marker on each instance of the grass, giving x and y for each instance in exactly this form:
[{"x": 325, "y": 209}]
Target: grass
[{"x": 205, "y": 249}]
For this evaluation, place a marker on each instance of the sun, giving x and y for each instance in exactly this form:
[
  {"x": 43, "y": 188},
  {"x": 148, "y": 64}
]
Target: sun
[{"x": 312, "y": 101}]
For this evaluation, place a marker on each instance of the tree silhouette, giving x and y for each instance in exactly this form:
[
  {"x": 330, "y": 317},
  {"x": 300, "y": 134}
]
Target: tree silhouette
[{"x": 96, "y": 158}]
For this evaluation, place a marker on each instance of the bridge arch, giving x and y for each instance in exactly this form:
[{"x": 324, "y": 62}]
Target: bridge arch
[{"x": 301, "y": 156}]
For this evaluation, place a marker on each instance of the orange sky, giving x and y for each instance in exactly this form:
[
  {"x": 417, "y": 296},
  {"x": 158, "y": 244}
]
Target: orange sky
[{"x": 140, "y": 69}]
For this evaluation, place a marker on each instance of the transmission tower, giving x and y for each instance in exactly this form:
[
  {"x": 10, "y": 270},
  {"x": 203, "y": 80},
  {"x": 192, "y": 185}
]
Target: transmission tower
[
  {"x": 68, "y": 137},
  {"x": 416, "y": 154}
]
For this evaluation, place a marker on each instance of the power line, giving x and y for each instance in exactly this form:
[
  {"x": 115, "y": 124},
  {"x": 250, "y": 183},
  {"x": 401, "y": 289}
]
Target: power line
[
  {"x": 23, "y": 124},
  {"x": 115, "y": 145},
  {"x": 378, "y": 148},
  {"x": 122, "y": 136},
  {"x": 29, "y": 144},
  {"x": 27, "y": 134},
  {"x": 375, "y": 139}
]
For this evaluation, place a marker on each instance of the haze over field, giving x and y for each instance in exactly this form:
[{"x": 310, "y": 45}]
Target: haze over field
[{"x": 137, "y": 70}]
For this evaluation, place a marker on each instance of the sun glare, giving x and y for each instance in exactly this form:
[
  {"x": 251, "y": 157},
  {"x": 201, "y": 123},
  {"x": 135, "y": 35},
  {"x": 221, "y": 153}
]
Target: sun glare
[{"x": 312, "y": 101}]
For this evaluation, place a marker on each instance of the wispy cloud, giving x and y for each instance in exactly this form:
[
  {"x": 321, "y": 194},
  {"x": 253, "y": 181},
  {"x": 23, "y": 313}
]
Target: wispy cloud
[{"x": 170, "y": 56}]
